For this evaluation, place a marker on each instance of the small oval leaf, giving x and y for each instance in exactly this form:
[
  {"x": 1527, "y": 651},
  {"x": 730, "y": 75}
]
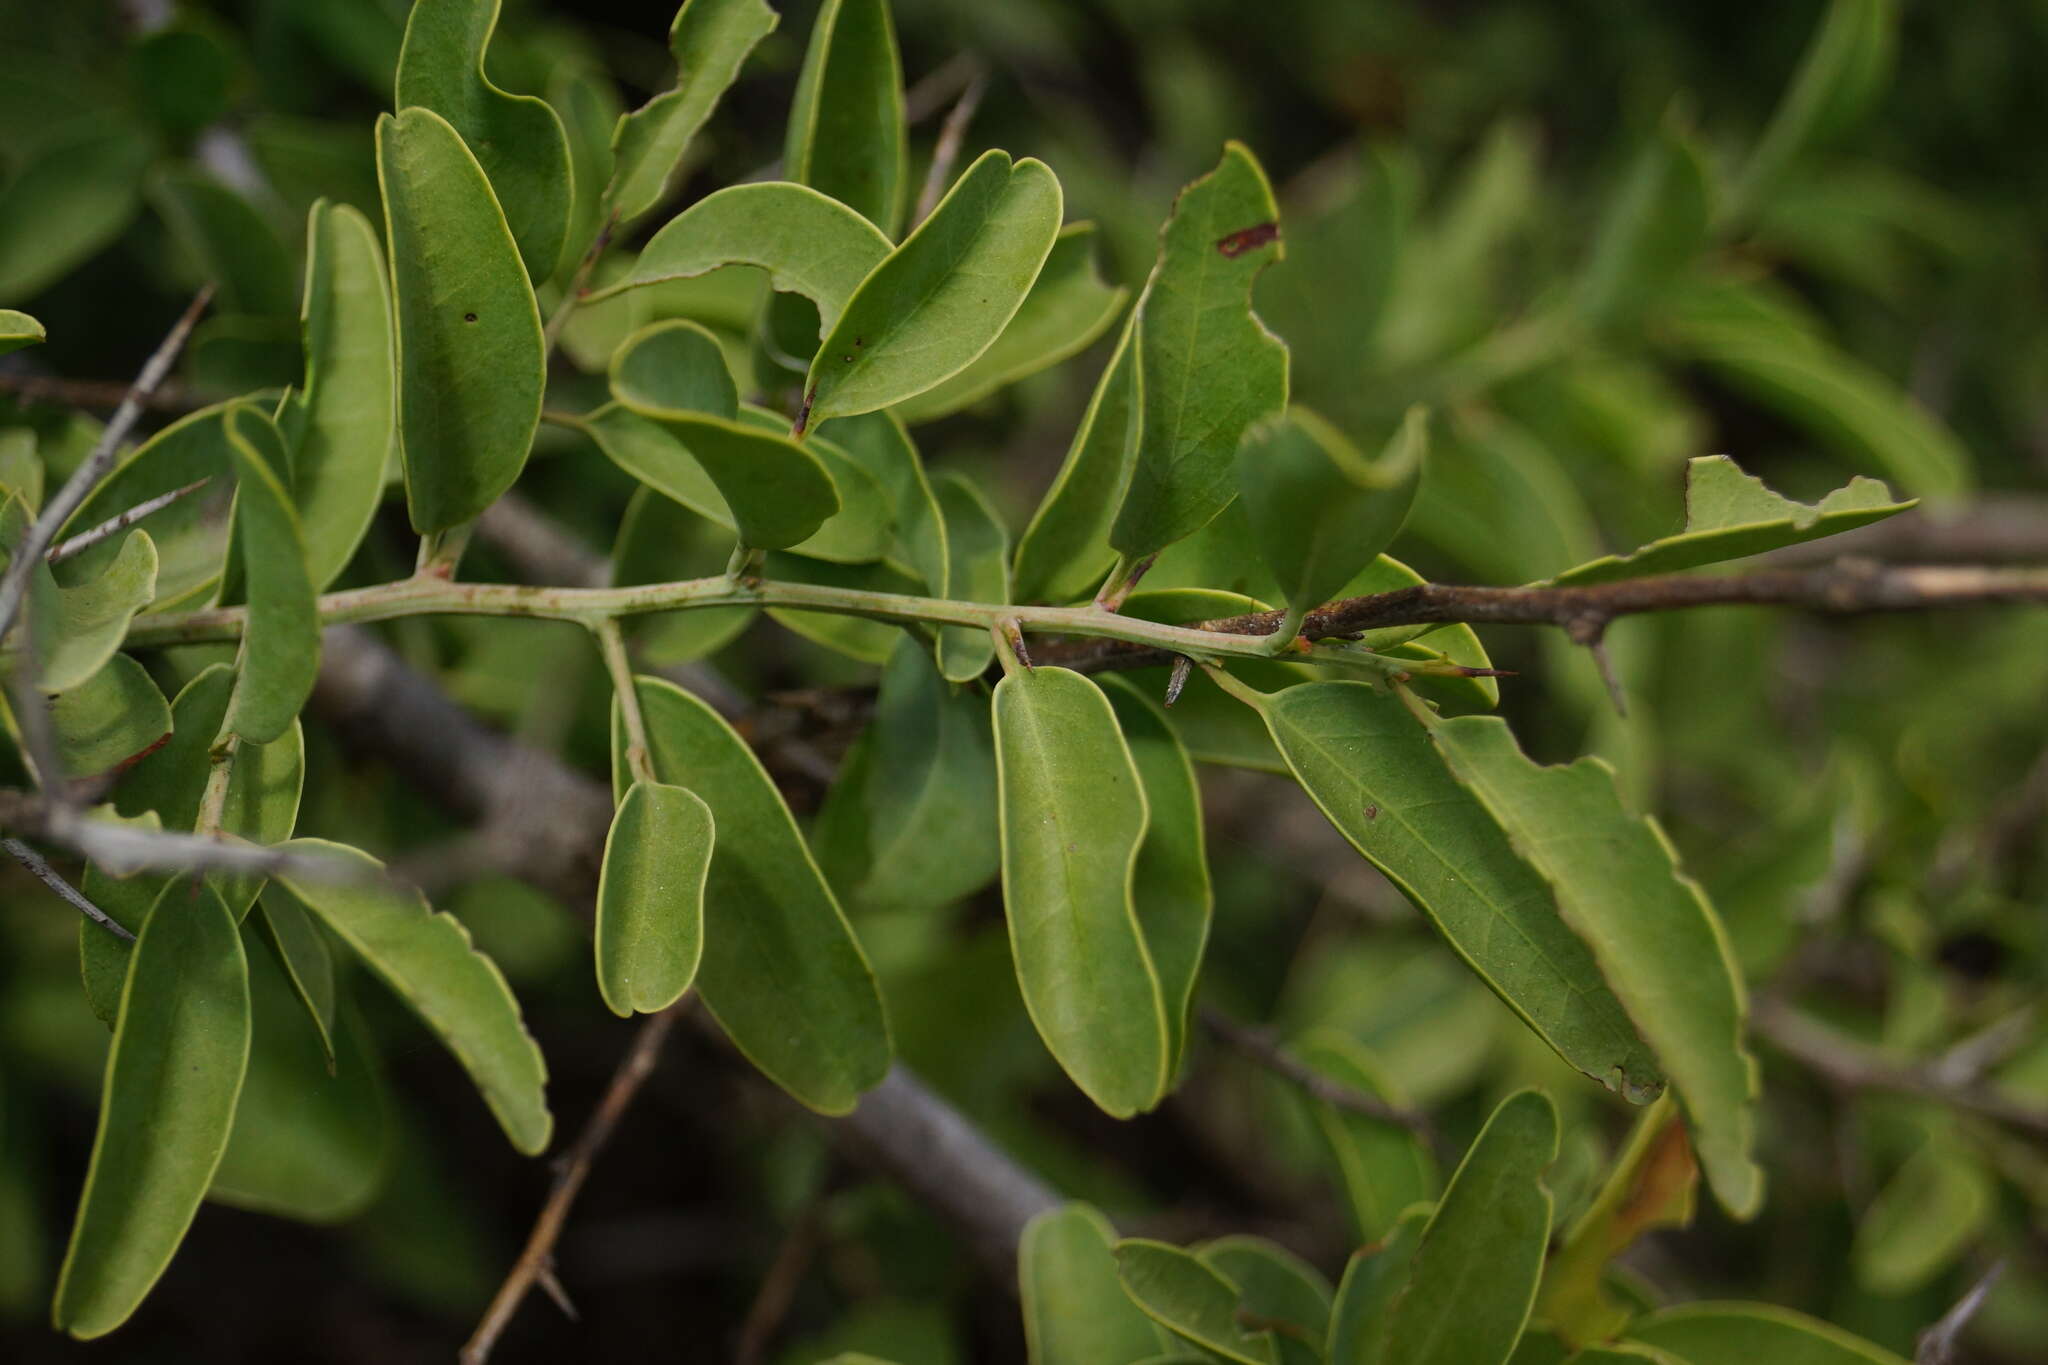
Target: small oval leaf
[{"x": 650, "y": 898}]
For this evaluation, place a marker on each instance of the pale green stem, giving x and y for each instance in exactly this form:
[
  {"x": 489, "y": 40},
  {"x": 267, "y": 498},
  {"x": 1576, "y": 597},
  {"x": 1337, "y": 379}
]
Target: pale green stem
[
  {"x": 441, "y": 551},
  {"x": 639, "y": 754},
  {"x": 1236, "y": 687},
  {"x": 213, "y": 802}
]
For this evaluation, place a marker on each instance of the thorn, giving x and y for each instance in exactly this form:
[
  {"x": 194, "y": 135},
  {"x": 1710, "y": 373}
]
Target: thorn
[
  {"x": 1014, "y": 633},
  {"x": 1937, "y": 1345},
  {"x": 1590, "y": 632},
  {"x": 1182, "y": 667},
  {"x": 545, "y": 1277}
]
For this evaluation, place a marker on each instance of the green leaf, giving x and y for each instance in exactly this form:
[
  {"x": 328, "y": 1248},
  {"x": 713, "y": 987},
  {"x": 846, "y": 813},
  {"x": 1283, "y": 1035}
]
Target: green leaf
[
  {"x": 312, "y": 1135},
  {"x": 21, "y": 469},
  {"x": 661, "y": 541},
  {"x": 979, "y": 546},
  {"x": 673, "y": 366},
  {"x": 941, "y": 298},
  {"x": 470, "y": 356},
  {"x": 1073, "y": 820},
  {"x": 75, "y": 630},
  {"x": 915, "y": 818},
  {"x": 1065, "y": 550},
  {"x": 1373, "y": 1278},
  {"x": 1180, "y": 1293},
  {"x": 1931, "y": 1210},
  {"x": 1649, "y": 926},
  {"x": 808, "y": 244},
  {"x": 846, "y": 133},
  {"x": 1474, "y": 1275},
  {"x": 863, "y": 529},
  {"x": 191, "y": 535},
  {"x": 709, "y": 39},
  {"x": 460, "y": 994},
  {"x": 1730, "y": 514},
  {"x": 1376, "y": 776},
  {"x": 233, "y": 244},
  {"x": 67, "y": 201},
  {"x": 1075, "y": 1310},
  {"x": 342, "y": 426},
  {"x": 280, "y": 656},
  {"x": 1277, "y": 1290},
  {"x": 1319, "y": 510},
  {"x": 1655, "y": 226},
  {"x": 18, "y": 329},
  {"x": 587, "y": 102},
  {"x": 173, "y": 1075},
  {"x": 777, "y": 493},
  {"x": 1845, "y": 69},
  {"x": 1170, "y": 880},
  {"x": 1749, "y": 1333},
  {"x": 112, "y": 718},
  {"x": 880, "y": 445},
  {"x": 1068, "y": 307},
  {"x": 517, "y": 139},
  {"x": 650, "y": 898},
  {"x": 1862, "y": 414},
  {"x": 1458, "y": 643},
  {"x": 782, "y": 970},
  {"x": 302, "y": 955},
  {"x": 1207, "y": 368},
  {"x": 1382, "y": 1167}
]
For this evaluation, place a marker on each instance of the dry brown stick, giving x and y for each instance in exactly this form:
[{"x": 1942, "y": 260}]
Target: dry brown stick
[
  {"x": 1263, "y": 1048},
  {"x": 779, "y": 1285},
  {"x": 92, "y": 393},
  {"x": 952, "y": 134},
  {"x": 1850, "y": 586},
  {"x": 536, "y": 1261},
  {"x": 70, "y": 895},
  {"x": 114, "y": 525},
  {"x": 1852, "y": 1065}
]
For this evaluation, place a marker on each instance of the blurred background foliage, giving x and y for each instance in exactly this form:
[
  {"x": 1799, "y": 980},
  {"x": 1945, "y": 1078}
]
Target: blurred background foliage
[{"x": 1866, "y": 800}]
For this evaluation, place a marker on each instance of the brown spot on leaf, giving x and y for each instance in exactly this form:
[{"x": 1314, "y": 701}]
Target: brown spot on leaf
[
  {"x": 1372, "y": 812},
  {"x": 1248, "y": 239},
  {"x": 469, "y": 317}
]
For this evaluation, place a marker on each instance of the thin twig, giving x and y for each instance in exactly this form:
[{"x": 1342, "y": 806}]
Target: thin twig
[
  {"x": 1937, "y": 1345},
  {"x": 1851, "y": 1065},
  {"x": 1266, "y": 1050},
  {"x": 85, "y": 540},
  {"x": 779, "y": 1285},
  {"x": 951, "y": 135},
  {"x": 47, "y": 875},
  {"x": 938, "y": 87},
  {"x": 93, "y": 393},
  {"x": 29, "y": 553},
  {"x": 536, "y": 1261},
  {"x": 124, "y": 848}
]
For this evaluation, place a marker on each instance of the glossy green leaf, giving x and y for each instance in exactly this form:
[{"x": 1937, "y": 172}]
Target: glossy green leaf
[
  {"x": 280, "y": 656},
  {"x": 1170, "y": 881},
  {"x": 709, "y": 39},
  {"x": 1075, "y": 1310},
  {"x": 662, "y": 541},
  {"x": 18, "y": 329},
  {"x": 1473, "y": 1278},
  {"x": 75, "y": 630},
  {"x": 1189, "y": 1299},
  {"x": 1277, "y": 1289},
  {"x": 516, "y": 139},
  {"x": 782, "y": 970},
  {"x": 1207, "y": 368},
  {"x": 878, "y": 442},
  {"x": 808, "y": 244},
  {"x": 912, "y": 824},
  {"x": 1749, "y": 1333},
  {"x": 1068, "y": 307},
  {"x": 470, "y": 354},
  {"x": 673, "y": 366},
  {"x": 1319, "y": 510},
  {"x": 979, "y": 548},
  {"x": 1730, "y": 514},
  {"x": 1373, "y": 1278},
  {"x": 1376, "y": 776},
  {"x": 1928, "y": 1214},
  {"x": 650, "y": 898},
  {"x": 1842, "y": 74},
  {"x": 941, "y": 298},
  {"x": 191, "y": 535},
  {"x": 864, "y": 528},
  {"x": 181, "y": 1045},
  {"x": 1074, "y": 820},
  {"x": 312, "y": 1133},
  {"x": 294, "y": 942},
  {"x": 1381, "y": 1167},
  {"x": 234, "y": 245},
  {"x": 66, "y": 201},
  {"x": 777, "y": 492},
  {"x": 111, "y": 718},
  {"x": 1065, "y": 551},
  {"x": 1655, "y": 226},
  {"x": 342, "y": 426},
  {"x": 460, "y": 994},
  {"x": 846, "y": 133},
  {"x": 1657, "y": 941}
]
